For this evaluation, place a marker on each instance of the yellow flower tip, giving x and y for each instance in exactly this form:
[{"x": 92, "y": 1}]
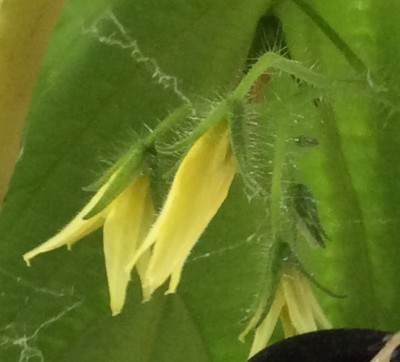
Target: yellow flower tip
[
  {"x": 27, "y": 259},
  {"x": 242, "y": 336},
  {"x": 32, "y": 254},
  {"x": 117, "y": 285},
  {"x": 200, "y": 186},
  {"x": 146, "y": 295},
  {"x": 75, "y": 230},
  {"x": 132, "y": 263},
  {"x": 294, "y": 305},
  {"x": 148, "y": 288},
  {"x": 115, "y": 312}
]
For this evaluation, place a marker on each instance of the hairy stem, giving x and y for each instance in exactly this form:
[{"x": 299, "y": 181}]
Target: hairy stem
[{"x": 276, "y": 187}]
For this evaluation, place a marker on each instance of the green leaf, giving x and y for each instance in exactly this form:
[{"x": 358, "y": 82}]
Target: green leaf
[
  {"x": 113, "y": 70},
  {"x": 352, "y": 172}
]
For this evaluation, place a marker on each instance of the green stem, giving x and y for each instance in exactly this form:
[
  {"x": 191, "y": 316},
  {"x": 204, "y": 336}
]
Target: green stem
[
  {"x": 265, "y": 63},
  {"x": 217, "y": 114},
  {"x": 276, "y": 187},
  {"x": 166, "y": 125},
  {"x": 272, "y": 60}
]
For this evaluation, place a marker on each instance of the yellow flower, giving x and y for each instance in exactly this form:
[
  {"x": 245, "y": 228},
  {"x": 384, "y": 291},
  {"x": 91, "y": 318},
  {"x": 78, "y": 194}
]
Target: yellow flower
[
  {"x": 200, "y": 186},
  {"x": 126, "y": 221},
  {"x": 294, "y": 304}
]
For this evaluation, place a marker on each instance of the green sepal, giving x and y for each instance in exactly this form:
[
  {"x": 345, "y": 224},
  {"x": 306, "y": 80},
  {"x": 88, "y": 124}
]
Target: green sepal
[
  {"x": 131, "y": 167},
  {"x": 314, "y": 281},
  {"x": 278, "y": 254},
  {"x": 308, "y": 221},
  {"x": 96, "y": 185},
  {"x": 288, "y": 256}
]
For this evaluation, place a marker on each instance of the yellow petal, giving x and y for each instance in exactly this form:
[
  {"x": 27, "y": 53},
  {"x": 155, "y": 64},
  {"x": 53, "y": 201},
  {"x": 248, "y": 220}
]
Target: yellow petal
[
  {"x": 299, "y": 287},
  {"x": 75, "y": 230},
  {"x": 123, "y": 231},
  {"x": 318, "y": 314},
  {"x": 287, "y": 326},
  {"x": 298, "y": 312},
  {"x": 143, "y": 262},
  {"x": 200, "y": 186},
  {"x": 175, "y": 277},
  {"x": 266, "y": 328},
  {"x": 254, "y": 320},
  {"x": 296, "y": 307}
]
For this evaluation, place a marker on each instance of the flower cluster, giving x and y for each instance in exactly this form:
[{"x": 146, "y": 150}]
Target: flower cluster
[
  {"x": 157, "y": 243},
  {"x": 294, "y": 304},
  {"x": 156, "y": 247}
]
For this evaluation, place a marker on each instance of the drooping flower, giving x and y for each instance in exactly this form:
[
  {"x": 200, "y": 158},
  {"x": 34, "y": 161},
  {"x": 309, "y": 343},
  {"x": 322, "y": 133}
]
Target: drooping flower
[
  {"x": 200, "y": 186},
  {"x": 294, "y": 305},
  {"x": 126, "y": 221}
]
